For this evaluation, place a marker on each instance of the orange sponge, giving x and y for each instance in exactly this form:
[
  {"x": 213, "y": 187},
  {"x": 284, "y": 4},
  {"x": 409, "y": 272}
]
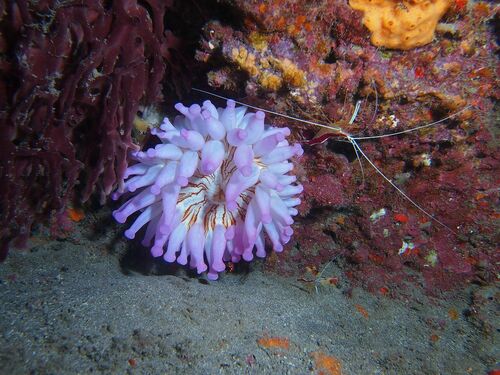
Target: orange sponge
[{"x": 402, "y": 24}]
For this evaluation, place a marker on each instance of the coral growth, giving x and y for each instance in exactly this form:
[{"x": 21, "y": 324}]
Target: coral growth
[
  {"x": 73, "y": 74},
  {"x": 271, "y": 73},
  {"x": 286, "y": 57},
  {"x": 215, "y": 184},
  {"x": 401, "y": 24},
  {"x": 378, "y": 238}
]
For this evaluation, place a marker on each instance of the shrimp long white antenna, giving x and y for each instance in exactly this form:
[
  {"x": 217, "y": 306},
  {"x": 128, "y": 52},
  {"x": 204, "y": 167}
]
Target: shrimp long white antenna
[
  {"x": 399, "y": 190},
  {"x": 415, "y": 128},
  {"x": 334, "y": 128},
  {"x": 357, "y": 148},
  {"x": 358, "y": 151}
]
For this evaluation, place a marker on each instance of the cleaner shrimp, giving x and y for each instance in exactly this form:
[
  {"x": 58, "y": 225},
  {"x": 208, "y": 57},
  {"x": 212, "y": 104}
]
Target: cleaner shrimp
[{"x": 335, "y": 131}]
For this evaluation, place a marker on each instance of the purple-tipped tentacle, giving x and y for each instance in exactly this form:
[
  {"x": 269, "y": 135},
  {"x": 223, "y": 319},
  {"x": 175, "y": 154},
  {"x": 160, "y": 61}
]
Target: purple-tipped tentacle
[
  {"x": 248, "y": 254},
  {"x": 267, "y": 144},
  {"x": 214, "y": 127},
  {"x": 182, "y": 258},
  {"x": 208, "y": 106},
  {"x": 169, "y": 195},
  {"x": 135, "y": 169},
  {"x": 166, "y": 125},
  {"x": 243, "y": 159},
  {"x": 187, "y": 167},
  {"x": 193, "y": 140},
  {"x": 268, "y": 179},
  {"x": 147, "y": 215},
  {"x": 165, "y": 151},
  {"x": 141, "y": 200},
  {"x": 165, "y": 177},
  {"x": 260, "y": 246},
  {"x": 274, "y": 236},
  {"x": 252, "y": 221},
  {"x": 236, "y": 137},
  {"x": 264, "y": 203},
  {"x": 285, "y": 131},
  {"x": 237, "y": 184},
  {"x": 160, "y": 240},
  {"x": 228, "y": 115},
  {"x": 291, "y": 190},
  {"x": 286, "y": 180},
  {"x": 282, "y": 153},
  {"x": 191, "y": 113},
  {"x": 255, "y": 127},
  {"x": 218, "y": 247},
  {"x": 151, "y": 229},
  {"x": 212, "y": 156},
  {"x": 146, "y": 179},
  {"x": 280, "y": 168},
  {"x": 279, "y": 210},
  {"x": 237, "y": 242},
  {"x": 291, "y": 202},
  {"x": 195, "y": 244},
  {"x": 174, "y": 244},
  {"x": 189, "y": 139},
  {"x": 230, "y": 232}
]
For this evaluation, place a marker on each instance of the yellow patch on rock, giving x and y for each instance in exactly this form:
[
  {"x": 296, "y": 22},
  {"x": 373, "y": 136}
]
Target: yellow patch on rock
[{"x": 401, "y": 24}]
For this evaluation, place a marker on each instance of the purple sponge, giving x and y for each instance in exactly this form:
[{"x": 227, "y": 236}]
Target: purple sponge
[{"x": 210, "y": 190}]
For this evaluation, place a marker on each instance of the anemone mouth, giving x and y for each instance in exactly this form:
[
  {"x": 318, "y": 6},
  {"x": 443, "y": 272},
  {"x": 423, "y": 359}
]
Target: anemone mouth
[
  {"x": 216, "y": 198},
  {"x": 203, "y": 199}
]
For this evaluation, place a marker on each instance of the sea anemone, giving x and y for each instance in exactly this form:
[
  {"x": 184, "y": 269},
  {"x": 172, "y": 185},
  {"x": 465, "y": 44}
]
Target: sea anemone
[{"x": 208, "y": 192}]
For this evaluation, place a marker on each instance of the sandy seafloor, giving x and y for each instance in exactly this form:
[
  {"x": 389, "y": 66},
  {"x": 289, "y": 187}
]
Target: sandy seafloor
[{"x": 96, "y": 303}]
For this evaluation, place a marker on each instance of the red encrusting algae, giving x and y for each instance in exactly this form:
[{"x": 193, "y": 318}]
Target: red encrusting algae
[{"x": 318, "y": 72}]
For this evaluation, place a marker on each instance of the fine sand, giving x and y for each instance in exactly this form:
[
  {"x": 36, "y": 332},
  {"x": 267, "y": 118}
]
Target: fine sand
[{"x": 96, "y": 303}]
